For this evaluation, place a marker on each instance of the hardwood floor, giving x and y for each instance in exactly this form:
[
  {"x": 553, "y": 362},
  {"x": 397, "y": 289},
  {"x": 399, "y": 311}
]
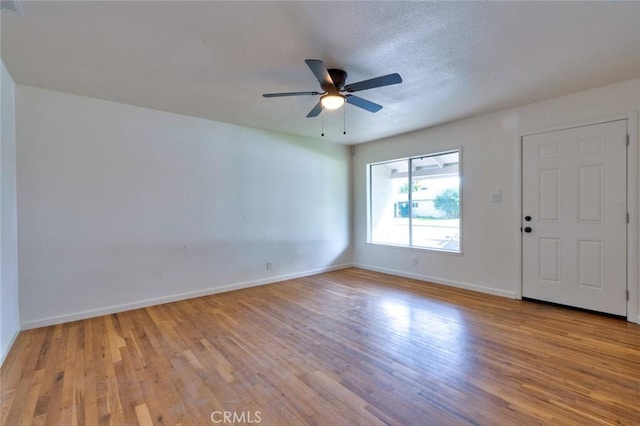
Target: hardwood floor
[{"x": 346, "y": 347}]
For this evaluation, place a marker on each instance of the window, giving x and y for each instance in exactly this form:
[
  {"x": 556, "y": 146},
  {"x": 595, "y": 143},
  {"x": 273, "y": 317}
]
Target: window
[{"x": 415, "y": 202}]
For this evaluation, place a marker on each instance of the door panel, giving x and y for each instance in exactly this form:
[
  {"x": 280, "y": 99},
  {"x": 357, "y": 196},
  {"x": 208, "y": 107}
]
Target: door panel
[
  {"x": 549, "y": 195},
  {"x": 574, "y": 188},
  {"x": 590, "y": 194},
  {"x": 549, "y": 259},
  {"x": 590, "y": 263}
]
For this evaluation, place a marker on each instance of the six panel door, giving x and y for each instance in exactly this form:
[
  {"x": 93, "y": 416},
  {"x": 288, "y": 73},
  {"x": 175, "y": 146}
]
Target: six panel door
[{"x": 574, "y": 186}]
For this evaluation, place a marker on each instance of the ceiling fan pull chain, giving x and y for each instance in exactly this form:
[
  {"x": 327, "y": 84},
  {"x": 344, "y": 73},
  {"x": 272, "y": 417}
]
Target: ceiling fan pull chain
[
  {"x": 322, "y": 120},
  {"x": 344, "y": 119}
]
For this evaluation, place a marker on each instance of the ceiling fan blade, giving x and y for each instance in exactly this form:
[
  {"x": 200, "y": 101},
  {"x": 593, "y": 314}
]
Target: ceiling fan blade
[
  {"x": 278, "y": 95},
  {"x": 315, "y": 111},
  {"x": 362, "y": 103},
  {"x": 320, "y": 71},
  {"x": 384, "y": 80}
]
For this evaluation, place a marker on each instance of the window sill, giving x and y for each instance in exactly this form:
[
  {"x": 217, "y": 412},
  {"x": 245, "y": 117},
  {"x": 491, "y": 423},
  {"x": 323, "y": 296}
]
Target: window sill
[{"x": 414, "y": 248}]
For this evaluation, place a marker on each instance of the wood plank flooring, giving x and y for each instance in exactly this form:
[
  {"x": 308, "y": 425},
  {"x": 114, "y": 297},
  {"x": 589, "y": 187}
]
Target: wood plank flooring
[{"x": 350, "y": 347}]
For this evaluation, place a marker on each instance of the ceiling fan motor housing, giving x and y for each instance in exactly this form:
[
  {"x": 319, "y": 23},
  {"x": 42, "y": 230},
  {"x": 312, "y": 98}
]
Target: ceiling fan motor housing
[{"x": 339, "y": 78}]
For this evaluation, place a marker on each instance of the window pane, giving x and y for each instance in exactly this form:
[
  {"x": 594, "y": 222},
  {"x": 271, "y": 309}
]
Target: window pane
[
  {"x": 390, "y": 207},
  {"x": 436, "y": 201},
  {"x": 416, "y": 202}
]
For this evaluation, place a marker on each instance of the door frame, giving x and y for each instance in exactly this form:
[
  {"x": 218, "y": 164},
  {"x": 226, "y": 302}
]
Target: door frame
[{"x": 633, "y": 203}]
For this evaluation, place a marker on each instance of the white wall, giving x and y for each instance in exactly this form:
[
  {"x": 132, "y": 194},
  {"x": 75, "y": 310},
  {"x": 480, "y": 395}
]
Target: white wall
[
  {"x": 122, "y": 206},
  {"x": 490, "y": 162},
  {"x": 9, "y": 322}
]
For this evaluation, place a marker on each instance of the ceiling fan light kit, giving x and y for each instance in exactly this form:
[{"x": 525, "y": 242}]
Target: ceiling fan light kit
[
  {"x": 332, "y": 101},
  {"x": 332, "y": 82}
]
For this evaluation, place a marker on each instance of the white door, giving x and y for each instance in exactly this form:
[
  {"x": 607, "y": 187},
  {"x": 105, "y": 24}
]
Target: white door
[{"x": 574, "y": 240}]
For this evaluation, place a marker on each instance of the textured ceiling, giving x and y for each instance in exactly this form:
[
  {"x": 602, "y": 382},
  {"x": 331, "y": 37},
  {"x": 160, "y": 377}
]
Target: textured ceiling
[{"x": 215, "y": 59}]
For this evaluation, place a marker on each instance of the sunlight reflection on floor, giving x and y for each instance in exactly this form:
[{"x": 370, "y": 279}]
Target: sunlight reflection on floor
[{"x": 442, "y": 330}]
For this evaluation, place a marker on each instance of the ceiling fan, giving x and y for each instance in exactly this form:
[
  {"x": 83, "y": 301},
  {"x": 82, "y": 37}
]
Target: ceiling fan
[{"x": 332, "y": 82}]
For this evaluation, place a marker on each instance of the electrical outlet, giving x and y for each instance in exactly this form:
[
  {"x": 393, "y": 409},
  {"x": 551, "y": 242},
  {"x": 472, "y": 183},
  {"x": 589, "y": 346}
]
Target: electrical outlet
[
  {"x": 415, "y": 261},
  {"x": 269, "y": 266}
]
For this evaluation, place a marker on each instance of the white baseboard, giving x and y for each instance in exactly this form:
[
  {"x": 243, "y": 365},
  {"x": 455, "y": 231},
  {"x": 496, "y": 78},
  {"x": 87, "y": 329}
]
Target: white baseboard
[
  {"x": 5, "y": 351},
  {"x": 438, "y": 280},
  {"x": 173, "y": 298}
]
